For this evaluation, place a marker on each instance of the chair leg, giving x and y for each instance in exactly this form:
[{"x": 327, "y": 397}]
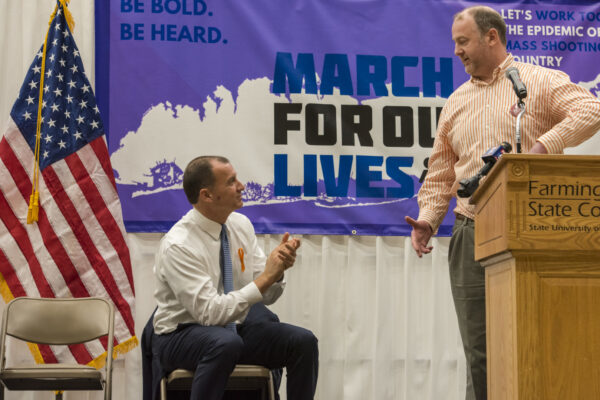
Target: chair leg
[
  {"x": 271, "y": 387},
  {"x": 163, "y": 388}
]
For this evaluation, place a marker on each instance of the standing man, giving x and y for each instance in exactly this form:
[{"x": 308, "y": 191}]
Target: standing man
[
  {"x": 475, "y": 118},
  {"x": 212, "y": 281}
]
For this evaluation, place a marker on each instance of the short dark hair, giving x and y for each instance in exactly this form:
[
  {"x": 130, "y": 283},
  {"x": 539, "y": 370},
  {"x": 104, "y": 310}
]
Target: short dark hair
[
  {"x": 199, "y": 175},
  {"x": 486, "y": 18}
]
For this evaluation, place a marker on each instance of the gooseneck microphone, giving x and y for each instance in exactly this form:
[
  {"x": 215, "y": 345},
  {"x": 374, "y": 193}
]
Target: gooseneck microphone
[
  {"x": 469, "y": 185},
  {"x": 513, "y": 75},
  {"x": 521, "y": 91}
]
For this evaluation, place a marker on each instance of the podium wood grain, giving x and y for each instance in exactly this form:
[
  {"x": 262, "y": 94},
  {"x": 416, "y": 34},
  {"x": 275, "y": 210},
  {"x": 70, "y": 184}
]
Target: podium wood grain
[{"x": 537, "y": 232}]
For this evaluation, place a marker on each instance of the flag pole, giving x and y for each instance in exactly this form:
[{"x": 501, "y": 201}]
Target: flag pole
[{"x": 34, "y": 199}]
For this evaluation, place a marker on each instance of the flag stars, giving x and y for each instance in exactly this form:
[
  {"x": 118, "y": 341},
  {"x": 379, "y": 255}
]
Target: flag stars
[{"x": 68, "y": 111}]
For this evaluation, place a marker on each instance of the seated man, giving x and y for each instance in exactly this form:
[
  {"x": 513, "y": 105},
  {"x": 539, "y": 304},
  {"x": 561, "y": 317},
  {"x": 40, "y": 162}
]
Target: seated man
[{"x": 212, "y": 281}]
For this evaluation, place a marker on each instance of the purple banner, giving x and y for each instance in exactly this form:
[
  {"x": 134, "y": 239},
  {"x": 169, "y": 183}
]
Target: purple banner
[{"x": 327, "y": 109}]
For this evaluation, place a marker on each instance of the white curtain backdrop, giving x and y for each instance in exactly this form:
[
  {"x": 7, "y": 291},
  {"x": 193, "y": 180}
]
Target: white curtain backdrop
[{"x": 384, "y": 318}]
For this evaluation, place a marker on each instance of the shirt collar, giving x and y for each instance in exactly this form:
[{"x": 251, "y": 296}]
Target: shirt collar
[
  {"x": 498, "y": 71},
  {"x": 207, "y": 225}
]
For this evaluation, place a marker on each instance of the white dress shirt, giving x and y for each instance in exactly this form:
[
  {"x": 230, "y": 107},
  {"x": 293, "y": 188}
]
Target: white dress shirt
[{"x": 189, "y": 286}]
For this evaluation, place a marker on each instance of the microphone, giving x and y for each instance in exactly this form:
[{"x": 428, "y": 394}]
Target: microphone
[
  {"x": 469, "y": 185},
  {"x": 513, "y": 74},
  {"x": 493, "y": 154}
]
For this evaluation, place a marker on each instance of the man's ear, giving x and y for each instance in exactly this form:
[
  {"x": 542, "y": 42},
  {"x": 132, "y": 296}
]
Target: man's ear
[
  {"x": 205, "y": 195},
  {"x": 492, "y": 36}
]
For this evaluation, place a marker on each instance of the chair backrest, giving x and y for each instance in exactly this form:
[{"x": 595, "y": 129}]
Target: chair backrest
[{"x": 58, "y": 321}]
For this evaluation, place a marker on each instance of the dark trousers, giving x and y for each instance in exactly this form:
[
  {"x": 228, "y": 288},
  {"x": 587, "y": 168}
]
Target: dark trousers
[
  {"x": 212, "y": 352},
  {"x": 467, "y": 279}
]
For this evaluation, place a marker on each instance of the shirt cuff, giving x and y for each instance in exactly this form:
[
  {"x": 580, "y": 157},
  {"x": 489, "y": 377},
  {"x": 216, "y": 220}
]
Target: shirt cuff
[
  {"x": 431, "y": 218},
  {"x": 251, "y": 293},
  {"x": 553, "y": 142}
]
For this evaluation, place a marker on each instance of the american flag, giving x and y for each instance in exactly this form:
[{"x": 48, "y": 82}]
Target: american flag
[{"x": 77, "y": 248}]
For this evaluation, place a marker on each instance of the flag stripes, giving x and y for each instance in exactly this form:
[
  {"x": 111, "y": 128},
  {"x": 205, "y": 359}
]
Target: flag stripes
[{"x": 100, "y": 209}]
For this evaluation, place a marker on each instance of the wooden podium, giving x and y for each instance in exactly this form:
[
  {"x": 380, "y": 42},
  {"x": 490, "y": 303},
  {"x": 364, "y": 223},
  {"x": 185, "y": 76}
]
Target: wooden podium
[{"x": 537, "y": 233}]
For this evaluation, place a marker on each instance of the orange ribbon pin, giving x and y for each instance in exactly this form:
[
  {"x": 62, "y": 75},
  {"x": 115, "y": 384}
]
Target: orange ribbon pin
[{"x": 241, "y": 254}]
